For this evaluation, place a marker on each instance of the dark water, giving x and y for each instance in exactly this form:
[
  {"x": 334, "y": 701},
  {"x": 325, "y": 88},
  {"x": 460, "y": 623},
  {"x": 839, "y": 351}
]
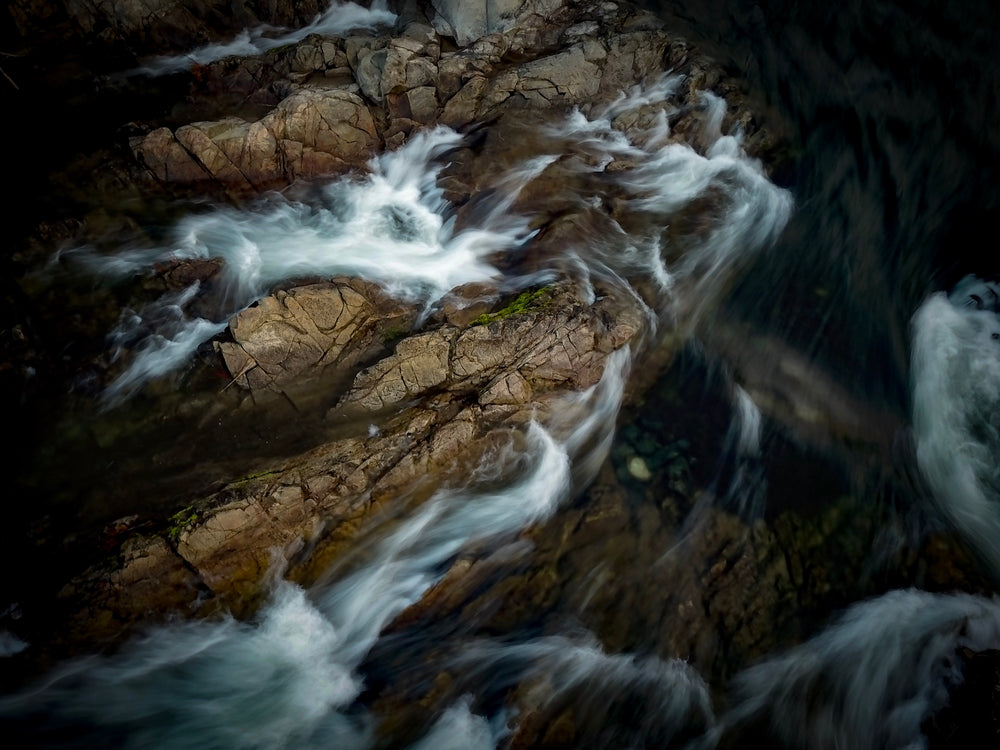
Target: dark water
[
  {"x": 891, "y": 112},
  {"x": 887, "y": 119}
]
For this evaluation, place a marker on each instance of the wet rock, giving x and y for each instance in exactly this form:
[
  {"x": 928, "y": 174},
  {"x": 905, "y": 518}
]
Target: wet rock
[
  {"x": 566, "y": 77},
  {"x": 465, "y": 303},
  {"x": 428, "y": 403},
  {"x": 503, "y": 359}
]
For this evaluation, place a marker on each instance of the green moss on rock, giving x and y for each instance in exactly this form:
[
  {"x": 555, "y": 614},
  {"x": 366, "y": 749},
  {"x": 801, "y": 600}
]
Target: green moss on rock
[{"x": 527, "y": 301}]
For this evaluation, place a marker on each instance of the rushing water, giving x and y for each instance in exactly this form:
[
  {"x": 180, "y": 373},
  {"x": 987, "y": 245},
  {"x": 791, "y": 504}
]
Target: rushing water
[
  {"x": 864, "y": 272},
  {"x": 391, "y": 226}
]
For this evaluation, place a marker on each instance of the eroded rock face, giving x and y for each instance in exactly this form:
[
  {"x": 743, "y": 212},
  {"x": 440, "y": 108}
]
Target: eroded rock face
[
  {"x": 301, "y": 333},
  {"x": 468, "y": 22},
  {"x": 503, "y": 360},
  {"x": 311, "y": 132}
]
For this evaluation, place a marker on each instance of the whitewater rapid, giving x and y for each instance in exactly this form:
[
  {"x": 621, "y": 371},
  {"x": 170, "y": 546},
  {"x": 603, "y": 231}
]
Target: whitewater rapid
[
  {"x": 956, "y": 409},
  {"x": 288, "y": 679}
]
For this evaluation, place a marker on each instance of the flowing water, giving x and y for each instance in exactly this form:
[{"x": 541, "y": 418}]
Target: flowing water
[{"x": 858, "y": 255}]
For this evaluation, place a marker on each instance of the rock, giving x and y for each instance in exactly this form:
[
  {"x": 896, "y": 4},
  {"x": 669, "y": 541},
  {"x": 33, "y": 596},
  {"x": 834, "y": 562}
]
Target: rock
[
  {"x": 637, "y": 468},
  {"x": 462, "y": 107},
  {"x": 465, "y": 303},
  {"x": 313, "y": 131},
  {"x": 499, "y": 358},
  {"x": 301, "y": 333},
  {"x": 167, "y": 159},
  {"x": 631, "y": 57},
  {"x": 331, "y": 122},
  {"x": 570, "y": 76}
]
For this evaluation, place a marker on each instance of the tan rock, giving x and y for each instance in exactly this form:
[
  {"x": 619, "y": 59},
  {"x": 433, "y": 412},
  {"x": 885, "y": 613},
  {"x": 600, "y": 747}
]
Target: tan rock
[
  {"x": 312, "y": 131},
  {"x": 419, "y": 364},
  {"x": 299, "y": 334},
  {"x": 563, "y": 78}
]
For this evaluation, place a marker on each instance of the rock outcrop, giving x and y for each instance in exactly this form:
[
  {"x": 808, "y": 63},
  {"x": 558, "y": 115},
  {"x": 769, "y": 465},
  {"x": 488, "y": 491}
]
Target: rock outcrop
[
  {"x": 452, "y": 394},
  {"x": 311, "y": 132}
]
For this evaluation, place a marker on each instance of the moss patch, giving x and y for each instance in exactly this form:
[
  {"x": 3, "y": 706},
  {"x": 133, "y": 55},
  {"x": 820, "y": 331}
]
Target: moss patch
[
  {"x": 180, "y": 521},
  {"x": 527, "y": 301}
]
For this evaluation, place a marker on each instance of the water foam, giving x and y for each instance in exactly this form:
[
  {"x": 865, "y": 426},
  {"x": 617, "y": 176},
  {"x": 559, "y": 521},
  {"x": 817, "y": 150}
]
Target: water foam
[
  {"x": 740, "y": 210},
  {"x": 392, "y": 226},
  {"x": 618, "y": 700},
  {"x": 956, "y": 403},
  {"x": 870, "y": 679},
  {"x": 226, "y": 684}
]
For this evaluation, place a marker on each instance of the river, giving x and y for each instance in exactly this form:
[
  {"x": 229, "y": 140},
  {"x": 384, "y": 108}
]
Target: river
[{"x": 855, "y": 281}]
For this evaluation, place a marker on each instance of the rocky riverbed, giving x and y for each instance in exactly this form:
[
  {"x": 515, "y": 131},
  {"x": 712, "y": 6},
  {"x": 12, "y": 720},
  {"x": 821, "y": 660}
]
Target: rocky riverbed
[{"x": 557, "y": 289}]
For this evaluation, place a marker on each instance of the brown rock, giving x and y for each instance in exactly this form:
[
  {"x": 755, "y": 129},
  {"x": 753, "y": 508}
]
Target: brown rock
[
  {"x": 299, "y": 334},
  {"x": 313, "y": 131}
]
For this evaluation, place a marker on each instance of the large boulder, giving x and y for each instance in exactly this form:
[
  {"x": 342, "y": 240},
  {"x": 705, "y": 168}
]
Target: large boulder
[
  {"x": 311, "y": 132},
  {"x": 469, "y": 21},
  {"x": 302, "y": 333}
]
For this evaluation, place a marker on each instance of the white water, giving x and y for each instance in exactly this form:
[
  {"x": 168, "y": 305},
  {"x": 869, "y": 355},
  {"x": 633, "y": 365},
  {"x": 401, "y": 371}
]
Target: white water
[
  {"x": 157, "y": 341},
  {"x": 289, "y": 679},
  {"x": 956, "y": 409},
  {"x": 748, "y": 214},
  {"x": 869, "y": 680},
  {"x": 618, "y": 700},
  {"x": 460, "y": 729},
  {"x": 337, "y": 20},
  {"x": 392, "y": 226},
  {"x": 747, "y": 492}
]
